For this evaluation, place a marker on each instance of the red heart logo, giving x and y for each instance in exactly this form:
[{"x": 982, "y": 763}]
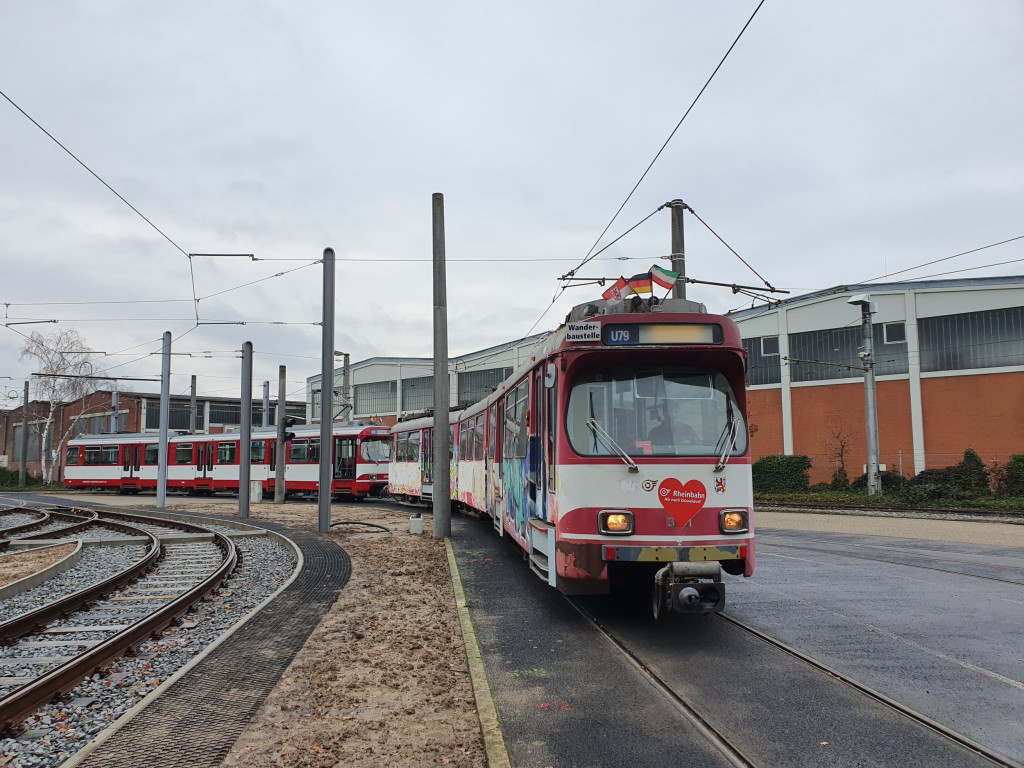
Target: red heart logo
[{"x": 683, "y": 502}]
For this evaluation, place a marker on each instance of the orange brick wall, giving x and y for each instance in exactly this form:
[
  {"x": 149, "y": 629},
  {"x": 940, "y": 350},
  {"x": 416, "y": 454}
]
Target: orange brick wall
[
  {"x": 821, "y": 413},
  {"x": 981, "y": 412},
  {"x": 764, "y": 416}
]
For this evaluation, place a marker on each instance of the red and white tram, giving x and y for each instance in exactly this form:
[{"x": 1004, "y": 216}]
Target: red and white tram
[
  {"x": 620, "y": 450},
  {"x": 209, "y": 463}
]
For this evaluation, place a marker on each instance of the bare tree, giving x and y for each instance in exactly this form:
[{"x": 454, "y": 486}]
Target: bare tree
[
  {"x": 839, "y": 439},
  {"x": 64, "y": 355}
]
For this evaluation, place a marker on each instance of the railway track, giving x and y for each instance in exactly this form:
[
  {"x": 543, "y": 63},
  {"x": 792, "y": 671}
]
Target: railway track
[
  {"x": 54, "y": 647},
  {"x": 728, "y": 745},
  {"x": 916, "y": 558}
]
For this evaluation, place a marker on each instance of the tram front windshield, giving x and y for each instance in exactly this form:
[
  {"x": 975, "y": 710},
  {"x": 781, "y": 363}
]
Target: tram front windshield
[
  {"x": 655, "y": 412},
  {"x": 375, "y": 451}
]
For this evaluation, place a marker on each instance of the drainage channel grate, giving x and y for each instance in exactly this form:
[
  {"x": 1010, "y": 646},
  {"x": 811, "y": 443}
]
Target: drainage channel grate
[{"x": 200, "y": 717}]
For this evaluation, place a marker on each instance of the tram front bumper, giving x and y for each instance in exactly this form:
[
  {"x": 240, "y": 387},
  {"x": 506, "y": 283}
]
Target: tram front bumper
[{"x": 714, "y": 553}]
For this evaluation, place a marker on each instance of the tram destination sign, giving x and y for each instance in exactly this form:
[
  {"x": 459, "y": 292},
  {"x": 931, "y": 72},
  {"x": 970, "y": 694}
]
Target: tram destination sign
[
  {"x": 583, "y": 330},
  {"x": 622, "y": 334}
]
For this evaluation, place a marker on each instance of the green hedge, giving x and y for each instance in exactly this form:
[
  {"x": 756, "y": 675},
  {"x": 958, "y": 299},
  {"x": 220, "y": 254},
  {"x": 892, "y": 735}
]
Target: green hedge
[
  {"x": 9, "y": 478},
  {"x": 781, "y": 473}
]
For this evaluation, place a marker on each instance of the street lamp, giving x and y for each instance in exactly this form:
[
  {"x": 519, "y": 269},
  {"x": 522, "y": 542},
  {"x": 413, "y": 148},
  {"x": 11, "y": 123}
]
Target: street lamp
[{"x": 866, "y": 354}]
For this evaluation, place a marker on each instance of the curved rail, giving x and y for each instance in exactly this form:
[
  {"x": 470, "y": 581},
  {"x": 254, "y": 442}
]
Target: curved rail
[
  {"x": 43, "y": 519},
  {"x": 63, "y": 678},
  {"x": 27, "y": 622},
  {"x": 65, "y": 512}
]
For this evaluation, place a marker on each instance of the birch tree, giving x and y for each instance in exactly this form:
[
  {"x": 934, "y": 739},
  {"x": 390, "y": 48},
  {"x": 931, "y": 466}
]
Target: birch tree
[{"x": 63, "y": 355}]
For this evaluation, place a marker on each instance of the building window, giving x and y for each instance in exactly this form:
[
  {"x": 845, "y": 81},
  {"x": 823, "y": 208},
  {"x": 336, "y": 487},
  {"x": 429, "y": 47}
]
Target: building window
[
  {"x": 225, "y": 413},
  {"x": 761, "y": 369},
  {"x": 894, "y": 333},
  {"x": 769, "y": 345},
  {"x": 315, "y": 409},
  {"x": 475, "y": 386},
  {"x": 179, "y": 418},
  {"x": 376, "y": 397},
  {"x": 418, "y": 393},
  {"x": 991, "y": 338}
]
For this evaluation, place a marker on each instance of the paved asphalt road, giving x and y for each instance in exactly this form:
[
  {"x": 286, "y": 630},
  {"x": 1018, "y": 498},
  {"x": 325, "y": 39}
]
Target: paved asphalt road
[{"x": 922, "y": 621}]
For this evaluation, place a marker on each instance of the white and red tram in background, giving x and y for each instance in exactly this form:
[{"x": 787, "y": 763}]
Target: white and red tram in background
[
  {"x": 205, "y": 464},
  {"x": 620, "y": 450}
]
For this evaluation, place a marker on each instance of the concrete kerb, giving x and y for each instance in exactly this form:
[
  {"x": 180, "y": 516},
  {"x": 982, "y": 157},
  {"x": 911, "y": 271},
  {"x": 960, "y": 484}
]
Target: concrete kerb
[
  {"x": 490, "y": 724},
  {"x": 67, "y": 562},
  {"x": 160, "y": 690}
]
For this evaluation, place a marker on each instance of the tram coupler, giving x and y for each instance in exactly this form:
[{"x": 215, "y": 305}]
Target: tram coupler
[{"x": 687, "y": 587}]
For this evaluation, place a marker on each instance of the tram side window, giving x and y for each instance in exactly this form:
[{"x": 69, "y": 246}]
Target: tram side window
[
  {"x": 106, "y": 454},
  {"x": 152, "y": 454},
  {"x": 258, "y": 451},
  {"x": 478, "y": 437},
  {"x": 71, "y": 457},
  {"x": 414, "y": 446},
  {"x": 515, "y": 420},
  {"x": 299, "y": 452},
  {"x": 465, "y": 434},
  {"x": 183, "y": 453},
  {"x": 402, "y": 447},
  {"x": 492, "y": 423},
  {"x": 314, "y": 449},
  {"x": 226, "y": 453}
]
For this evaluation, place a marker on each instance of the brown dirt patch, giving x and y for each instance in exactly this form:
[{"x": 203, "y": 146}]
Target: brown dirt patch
[
  {"x": 383, "y": 679},
  {"x": 18, "y": 565}
]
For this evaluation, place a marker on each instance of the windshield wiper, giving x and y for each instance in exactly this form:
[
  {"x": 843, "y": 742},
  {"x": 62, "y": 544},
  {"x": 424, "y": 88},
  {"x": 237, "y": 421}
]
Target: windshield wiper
[
  {"x": 599, "y": 431},
  {"x": 726, "y": 442}
]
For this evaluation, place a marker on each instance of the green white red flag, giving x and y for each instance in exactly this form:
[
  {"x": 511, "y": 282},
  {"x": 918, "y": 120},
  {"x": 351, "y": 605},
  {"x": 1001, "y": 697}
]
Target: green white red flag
[{"x": 663, "y": 277}]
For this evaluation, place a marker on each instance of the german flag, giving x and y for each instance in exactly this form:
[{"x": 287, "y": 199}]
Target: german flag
[{"x": 641, "y": 284}]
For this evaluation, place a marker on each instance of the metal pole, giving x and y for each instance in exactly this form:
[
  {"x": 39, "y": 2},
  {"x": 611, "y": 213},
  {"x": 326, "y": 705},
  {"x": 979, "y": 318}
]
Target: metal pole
[
  {"x": 22, "y": 469},
  {"x": 282, "y": 414},
  {"x": 326, "y": 397},
  {"x": 165, "y": 420},
  {"x": 678, "y": 248},
  {"x": 192, "y": 408},
  {"x": 346, "y": 388},
  {"x": 266, "y": 404},
  {"x": 115, "y": 404},
  {"x": 245, "y": 449},
  {"x": 442, "y": 503},
  {"x": 870, "y": 403}
]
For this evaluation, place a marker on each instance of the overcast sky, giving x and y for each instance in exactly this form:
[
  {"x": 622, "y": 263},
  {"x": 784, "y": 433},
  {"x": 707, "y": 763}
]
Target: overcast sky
[{"x": 839, "y": 142}]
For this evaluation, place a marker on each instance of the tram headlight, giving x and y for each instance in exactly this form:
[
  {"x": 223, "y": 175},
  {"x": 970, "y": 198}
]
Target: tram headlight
[
  {"x": 733, "y": 521},
  {"x": 616, "y": 522}
]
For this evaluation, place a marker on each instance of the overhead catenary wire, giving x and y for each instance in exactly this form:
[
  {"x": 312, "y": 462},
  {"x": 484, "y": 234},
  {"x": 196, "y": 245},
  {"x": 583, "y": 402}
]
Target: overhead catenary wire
[
  {"x": 674, "y": 131},
  {"x": 946, "y": 258},
  {"x": 120, "y": 197},
  {"x": 590, "y": 253}
]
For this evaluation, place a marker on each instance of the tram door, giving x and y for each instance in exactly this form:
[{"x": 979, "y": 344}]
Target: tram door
[
  {"x": 345, "y": 458},
  {"x": 132, "y": 460},
  {"x": 204, "y": 459},
  {"x": 424, "y": 440}
]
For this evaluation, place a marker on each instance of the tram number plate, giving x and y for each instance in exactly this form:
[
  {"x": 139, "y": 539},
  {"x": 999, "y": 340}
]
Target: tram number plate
[{"x": 621, "y": 334}]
